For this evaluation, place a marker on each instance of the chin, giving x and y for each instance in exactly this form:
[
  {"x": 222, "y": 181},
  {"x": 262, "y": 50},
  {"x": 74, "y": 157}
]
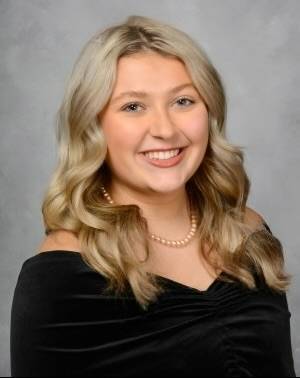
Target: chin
[{"x": 165, "y": 189}]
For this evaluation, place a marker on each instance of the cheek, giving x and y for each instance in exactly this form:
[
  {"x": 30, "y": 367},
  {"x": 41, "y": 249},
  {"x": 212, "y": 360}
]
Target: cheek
[
  {"x": 120, "y": 137},
  {"x": 196, "y": 129}
]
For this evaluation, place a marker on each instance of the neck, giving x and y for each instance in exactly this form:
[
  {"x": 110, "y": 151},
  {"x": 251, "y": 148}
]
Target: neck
[{"x": 167, "y": 214}]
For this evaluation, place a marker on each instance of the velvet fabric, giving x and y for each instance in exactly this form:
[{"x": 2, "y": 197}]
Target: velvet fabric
[{"x": 62, "y": 324}]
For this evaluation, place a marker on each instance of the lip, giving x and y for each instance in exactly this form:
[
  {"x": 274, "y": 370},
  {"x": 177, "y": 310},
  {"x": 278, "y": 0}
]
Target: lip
[{"x": 165, "y": 163}]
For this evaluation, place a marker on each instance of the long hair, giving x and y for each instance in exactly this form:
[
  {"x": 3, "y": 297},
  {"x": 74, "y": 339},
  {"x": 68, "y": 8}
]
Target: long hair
[{"x": 110, "y": 235}]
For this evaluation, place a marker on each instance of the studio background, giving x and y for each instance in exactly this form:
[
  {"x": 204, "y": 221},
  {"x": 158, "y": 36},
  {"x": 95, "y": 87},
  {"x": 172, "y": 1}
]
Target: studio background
[{"x": 253, "y": 44}]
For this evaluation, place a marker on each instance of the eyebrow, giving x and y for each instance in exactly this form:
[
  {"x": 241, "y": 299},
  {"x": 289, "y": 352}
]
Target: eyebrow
[{"x": 142, "y": 94}]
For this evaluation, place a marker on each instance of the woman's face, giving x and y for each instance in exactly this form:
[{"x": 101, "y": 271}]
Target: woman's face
[{"x": 165, "y": 112}]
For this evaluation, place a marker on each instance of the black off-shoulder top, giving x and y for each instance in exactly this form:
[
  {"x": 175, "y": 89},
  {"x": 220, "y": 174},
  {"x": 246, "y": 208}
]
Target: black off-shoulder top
[{"x": 62, "y": 324}]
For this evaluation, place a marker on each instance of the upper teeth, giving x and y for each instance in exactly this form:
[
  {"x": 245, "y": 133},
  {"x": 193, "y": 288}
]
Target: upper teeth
[{"x": 162, "y": 155}]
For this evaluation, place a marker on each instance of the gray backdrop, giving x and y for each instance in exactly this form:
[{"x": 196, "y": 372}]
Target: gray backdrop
[{"x": 255, "y": 47}]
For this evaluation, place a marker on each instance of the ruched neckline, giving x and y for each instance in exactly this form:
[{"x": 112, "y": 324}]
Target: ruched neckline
[{"x": 163, "y": 279}]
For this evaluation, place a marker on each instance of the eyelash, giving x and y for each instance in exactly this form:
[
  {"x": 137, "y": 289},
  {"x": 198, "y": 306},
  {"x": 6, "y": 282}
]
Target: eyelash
[{"x": 136, "y": 103}]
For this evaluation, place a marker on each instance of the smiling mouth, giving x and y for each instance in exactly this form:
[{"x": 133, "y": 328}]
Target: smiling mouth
[
  {"x": 164, "y": 150},
  {"x": 164, "y": 161},
  {"x": 163, "y": 155}
]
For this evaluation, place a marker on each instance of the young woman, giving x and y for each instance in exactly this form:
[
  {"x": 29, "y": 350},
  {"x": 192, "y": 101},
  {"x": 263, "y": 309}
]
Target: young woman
[{"x": 152, "y": 263}]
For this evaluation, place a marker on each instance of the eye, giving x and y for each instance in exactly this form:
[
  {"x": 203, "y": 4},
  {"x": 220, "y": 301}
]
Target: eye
[
  {"x": 130, "y": 106},
  {"x": 182, "y": 101}
]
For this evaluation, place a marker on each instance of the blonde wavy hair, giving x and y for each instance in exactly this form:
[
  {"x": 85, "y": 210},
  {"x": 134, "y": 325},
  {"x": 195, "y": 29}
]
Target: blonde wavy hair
[{"x": 110, "y": 235}]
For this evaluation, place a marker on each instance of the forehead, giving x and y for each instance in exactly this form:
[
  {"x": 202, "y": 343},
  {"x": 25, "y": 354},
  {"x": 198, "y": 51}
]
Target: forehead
[
  {"x": 149, "y": 70},
  {"x": 150, "y": 57}
]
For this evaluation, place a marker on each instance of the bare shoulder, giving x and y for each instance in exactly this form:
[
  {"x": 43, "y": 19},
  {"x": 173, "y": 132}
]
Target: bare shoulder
[
  {"x": 60, "y": 240},
  {"x": 253, "y": 218}
]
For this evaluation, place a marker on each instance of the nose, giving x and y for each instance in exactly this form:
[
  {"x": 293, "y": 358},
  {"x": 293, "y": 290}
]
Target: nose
[{"x": 162, "y": 125}]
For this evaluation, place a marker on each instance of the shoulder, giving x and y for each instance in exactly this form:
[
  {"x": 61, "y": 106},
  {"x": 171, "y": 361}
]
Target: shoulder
[
  {"x": 53, "y": 288},
  {"x": 254, "y": 219},
  {"x": 57, "y": 271},
  {"x": 56, "y": 264},
  {"x": 60, "y": 240}
]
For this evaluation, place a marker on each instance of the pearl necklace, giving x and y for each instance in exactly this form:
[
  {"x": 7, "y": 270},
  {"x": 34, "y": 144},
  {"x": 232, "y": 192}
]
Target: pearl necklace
[{"x": 170, "y": 243}]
